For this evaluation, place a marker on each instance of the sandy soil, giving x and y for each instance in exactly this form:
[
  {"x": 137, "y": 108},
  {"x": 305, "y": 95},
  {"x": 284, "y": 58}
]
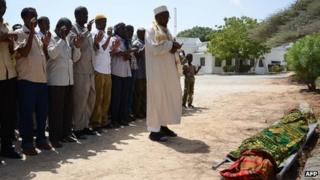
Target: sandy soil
[{"x": 228, "y": 110}]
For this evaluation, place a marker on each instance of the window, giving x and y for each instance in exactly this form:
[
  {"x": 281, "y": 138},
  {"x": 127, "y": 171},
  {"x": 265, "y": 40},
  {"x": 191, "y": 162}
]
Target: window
[
  {"x": 261, "y": 63},
  {"x": 217, "y": 62},
  {"x": 275, "y": 62},
  {"x": 229, "y": 62},
  {"x": 202, "y": 61}
]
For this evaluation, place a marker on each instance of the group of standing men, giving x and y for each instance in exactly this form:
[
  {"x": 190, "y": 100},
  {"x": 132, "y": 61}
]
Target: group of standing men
[{"x": 84, "y": 80}]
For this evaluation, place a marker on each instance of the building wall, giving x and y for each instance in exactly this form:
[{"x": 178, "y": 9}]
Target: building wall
[
  {"x": 276, "y": 54},
  {"x": 207, "y": 69}
]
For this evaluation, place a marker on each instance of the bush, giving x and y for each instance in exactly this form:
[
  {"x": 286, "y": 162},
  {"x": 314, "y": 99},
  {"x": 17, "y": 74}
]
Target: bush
[
  {"x": 304, "y": 59},
  {"x": 277, "y": 68},
  {"x": 245, "y": 68},
  {"x": 229, "y": 68}
]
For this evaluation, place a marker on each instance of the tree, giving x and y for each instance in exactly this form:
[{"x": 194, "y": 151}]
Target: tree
[
  {"x": 232, "y": 41},
  {"x": 304, "y": 59},
  {"x": 196, "y": 32}
]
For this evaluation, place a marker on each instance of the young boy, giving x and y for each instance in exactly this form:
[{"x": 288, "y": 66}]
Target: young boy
[{"x": 189, "y": 72}]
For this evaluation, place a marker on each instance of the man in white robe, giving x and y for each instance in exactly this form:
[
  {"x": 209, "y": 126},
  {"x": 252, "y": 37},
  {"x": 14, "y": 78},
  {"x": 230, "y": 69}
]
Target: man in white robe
[{"x": 164, "y": 94}]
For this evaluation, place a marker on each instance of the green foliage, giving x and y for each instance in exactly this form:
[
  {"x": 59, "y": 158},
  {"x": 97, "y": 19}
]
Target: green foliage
[
  {"x": 197, "y": 32},
  {"x": 288, "y": 25},
  {"x": 229, "y": 68},
  {"x": 304, "y": 58},
  {"x": 232, "y": 41},
  {"x": 277, "y": 68}
]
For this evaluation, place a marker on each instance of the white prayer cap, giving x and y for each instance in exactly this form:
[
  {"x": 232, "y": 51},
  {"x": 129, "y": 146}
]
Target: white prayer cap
[{"x": 160, "y": 9}]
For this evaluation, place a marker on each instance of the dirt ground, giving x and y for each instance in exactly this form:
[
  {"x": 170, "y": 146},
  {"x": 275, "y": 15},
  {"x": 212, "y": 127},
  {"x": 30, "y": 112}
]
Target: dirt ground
[{"x": 228, "y": 110}]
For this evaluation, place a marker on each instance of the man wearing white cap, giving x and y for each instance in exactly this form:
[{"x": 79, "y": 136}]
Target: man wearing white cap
[{"x": 164, "y": 94}]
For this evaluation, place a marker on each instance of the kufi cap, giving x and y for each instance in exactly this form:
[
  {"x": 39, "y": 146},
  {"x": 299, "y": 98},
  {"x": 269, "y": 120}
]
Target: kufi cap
[
  {"x": 160, "y": 9},
  {"x": 100, "y": 16}
]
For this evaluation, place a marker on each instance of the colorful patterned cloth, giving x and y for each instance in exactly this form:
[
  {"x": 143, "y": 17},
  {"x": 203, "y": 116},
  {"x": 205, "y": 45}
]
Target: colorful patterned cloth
[
  {"x": 276, "y": 143},
  {"x": 251, "y": 165},
  {"x": 279, "y": 140}
]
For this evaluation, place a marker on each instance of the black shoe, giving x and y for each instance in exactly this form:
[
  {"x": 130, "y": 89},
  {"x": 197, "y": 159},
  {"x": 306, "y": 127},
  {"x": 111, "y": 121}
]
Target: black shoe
[
  {"x": 10, "y": 153},
  {"x": 90, "y": 132},
  {"x": 56, "y": 144},
  {"x": 158, "y": 136},
  {"x": 165, "y": 130},
  {"x": 98, "y": 130},
  {"x": 124, "y": 123},
  {"x": 115, "y": 125},
  {"x": 69, "y": 139},
  {"x": 184, "y": 106},
  {"x": 191, "y": 106},
  {"x": 79, "y": 135},
  {"x": 109, "y": 126},
  {"x": 132, "y": 118}
]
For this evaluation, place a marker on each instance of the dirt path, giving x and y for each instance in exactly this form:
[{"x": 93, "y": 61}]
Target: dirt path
[{"x": 229, "y": 109}]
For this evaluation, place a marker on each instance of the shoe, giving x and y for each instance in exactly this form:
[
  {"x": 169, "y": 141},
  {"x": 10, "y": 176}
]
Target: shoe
[
  {"x": 10, "y": 153},
  {"x": 165, "y": 130},
  {"x": 124, "y": 123},
  {"x": 79, "y": 135},
  {"x": 90, "y": 132},
  {"x": 98, "y": 130},
  {"x": 44, "y": 146},
  {"x": 30, "y": 151},
  {"x": 56, "y": 144},
  {"x": 158, "y": 136},
  {"x": 191, "y": 106},
  {"x": 115, "y": 125},
  {"x": 108, "y": 126},
  {"x": 184, "y": 106},
  {"x": 132, "y": 118},
  {"x": 69, "y": 139}
]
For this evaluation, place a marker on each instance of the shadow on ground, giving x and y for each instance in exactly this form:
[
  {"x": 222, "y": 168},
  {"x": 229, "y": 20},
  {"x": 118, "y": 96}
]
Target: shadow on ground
[
  {"x": 50, "y": 161},
  {"x": 191, "y": 111}
]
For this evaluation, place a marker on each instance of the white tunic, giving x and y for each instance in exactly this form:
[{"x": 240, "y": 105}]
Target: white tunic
[{"x": 164, "y": 94}]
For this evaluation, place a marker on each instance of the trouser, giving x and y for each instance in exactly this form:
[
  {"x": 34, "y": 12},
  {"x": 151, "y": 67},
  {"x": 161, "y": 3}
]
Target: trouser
[
  {"x": 60, "y": 112},
  {"x": 131, "y": 88},
  {"x": 8, "y": 115},
  {"x": 119, "y": 99},
  {"x": 33, "y": 97},
  {"x": 84, "y": 96},
  {"x": 188, "y": 91},
  {"x": 103, "y": 85},
  {"x": 140, "y": 98}
]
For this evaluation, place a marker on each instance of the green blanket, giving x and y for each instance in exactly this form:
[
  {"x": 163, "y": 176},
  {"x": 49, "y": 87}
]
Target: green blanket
[{"x": 279, "y": 140}]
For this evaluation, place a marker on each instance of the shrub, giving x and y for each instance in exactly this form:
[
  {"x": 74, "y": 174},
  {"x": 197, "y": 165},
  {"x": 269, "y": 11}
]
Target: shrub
[
  {"x": 229, "y": 68},
  {"x": 304, "y": 59}
]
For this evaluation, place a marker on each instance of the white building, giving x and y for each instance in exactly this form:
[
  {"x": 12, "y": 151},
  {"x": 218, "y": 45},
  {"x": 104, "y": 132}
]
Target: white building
[
  {"x": 275, "y": 57},
  {"x": 201, "y": 56},
  {"x": 211, "y": 65}
]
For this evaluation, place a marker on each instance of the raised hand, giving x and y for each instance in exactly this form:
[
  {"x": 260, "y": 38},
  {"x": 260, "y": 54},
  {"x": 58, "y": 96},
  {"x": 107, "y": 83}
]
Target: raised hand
[
  {"x": 46, "y": 39},
  {"x": 109, "y": 31},
  {"x": 32, "y": 25},
  {"x": 12, "y": 36},
  {"x": 63, "y": 32},
  {"x": 89, "y": 25},
  {"x": 175, "y": 47},
  {"x": 98, "y": 38},
  {"x": 77, "y": 41},
  {"x": 116, "y": 44}
]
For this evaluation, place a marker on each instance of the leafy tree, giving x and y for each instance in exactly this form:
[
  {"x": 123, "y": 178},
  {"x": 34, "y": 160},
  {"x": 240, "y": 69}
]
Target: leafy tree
[
  {"x": 304, "y": 58},
  {"x": 197, "y": 32},
  {"x": 232, "y": 41}
]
